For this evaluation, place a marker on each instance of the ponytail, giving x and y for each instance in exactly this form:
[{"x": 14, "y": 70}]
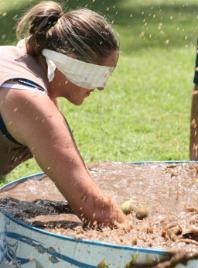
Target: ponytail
[{"x": 36, "y": 23}]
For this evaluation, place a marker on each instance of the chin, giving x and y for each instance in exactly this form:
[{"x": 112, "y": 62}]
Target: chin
[{"x": 77, "y": 102}]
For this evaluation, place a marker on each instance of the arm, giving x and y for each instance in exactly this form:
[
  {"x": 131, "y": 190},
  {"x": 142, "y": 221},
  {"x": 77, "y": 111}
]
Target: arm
[{"x": 34, "y": 121}]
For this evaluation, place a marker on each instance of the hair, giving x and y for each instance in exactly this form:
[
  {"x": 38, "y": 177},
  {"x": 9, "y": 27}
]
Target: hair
[{"x": 83, "y": 32}]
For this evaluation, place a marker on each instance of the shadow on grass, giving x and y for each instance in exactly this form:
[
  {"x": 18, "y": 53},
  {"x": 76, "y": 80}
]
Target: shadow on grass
[{"x": 139, "y": 26}]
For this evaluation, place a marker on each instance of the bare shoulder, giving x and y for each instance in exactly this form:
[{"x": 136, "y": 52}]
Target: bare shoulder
[
  {"x": 26, "y": 112},
  {"x": 22, "y": 97}
]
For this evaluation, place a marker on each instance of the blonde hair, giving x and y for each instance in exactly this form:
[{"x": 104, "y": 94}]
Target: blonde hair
[{"x": 83, "y": 32}]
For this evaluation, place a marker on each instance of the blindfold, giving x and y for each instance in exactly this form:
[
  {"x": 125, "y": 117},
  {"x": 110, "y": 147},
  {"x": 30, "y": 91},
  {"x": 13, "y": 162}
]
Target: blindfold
[{"x": 80, "y": 73}]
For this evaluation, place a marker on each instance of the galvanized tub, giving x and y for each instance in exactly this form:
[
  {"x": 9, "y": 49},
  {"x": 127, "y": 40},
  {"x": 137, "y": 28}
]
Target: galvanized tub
[{"x": 22, "y": 245}]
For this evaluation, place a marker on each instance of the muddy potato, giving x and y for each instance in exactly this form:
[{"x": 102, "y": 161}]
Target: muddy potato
[
  {"x": 141, "y": 212},
  {"x": 127, "y": 207}
]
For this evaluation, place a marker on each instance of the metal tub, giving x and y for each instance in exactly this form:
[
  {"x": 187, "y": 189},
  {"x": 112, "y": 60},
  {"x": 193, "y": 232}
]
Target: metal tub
[{"x": 22, "y": 245}]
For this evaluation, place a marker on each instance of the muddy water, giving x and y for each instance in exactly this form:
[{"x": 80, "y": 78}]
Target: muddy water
[{"x": 168, "y": 192}]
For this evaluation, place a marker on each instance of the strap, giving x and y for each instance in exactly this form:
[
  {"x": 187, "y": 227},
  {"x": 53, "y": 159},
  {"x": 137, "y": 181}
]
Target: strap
[
  {"x": 29, "y": 83},
  {"x": 5, "y": 132},
  {"x": 23, "y": 84}
]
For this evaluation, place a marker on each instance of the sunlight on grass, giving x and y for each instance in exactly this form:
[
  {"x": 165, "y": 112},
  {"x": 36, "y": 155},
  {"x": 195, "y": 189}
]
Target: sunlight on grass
[{"x": 144, "y": 112}]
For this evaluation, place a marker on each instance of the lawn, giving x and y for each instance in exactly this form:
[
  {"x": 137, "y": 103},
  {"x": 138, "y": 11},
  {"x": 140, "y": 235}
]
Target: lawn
[{"x": 144, "y": 112}]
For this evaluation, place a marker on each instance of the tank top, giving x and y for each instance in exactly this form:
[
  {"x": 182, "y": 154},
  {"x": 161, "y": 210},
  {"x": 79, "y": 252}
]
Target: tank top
[{"x": 22, "y": 71}]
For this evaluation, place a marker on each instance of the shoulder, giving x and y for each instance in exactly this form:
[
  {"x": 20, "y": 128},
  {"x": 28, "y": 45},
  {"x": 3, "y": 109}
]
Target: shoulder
[
  {"x": 16, "y": 63},
  {"x": 11, "y": 51},
  {"x": 26, "y": 112},
  {"x": 24, "y": 98}
]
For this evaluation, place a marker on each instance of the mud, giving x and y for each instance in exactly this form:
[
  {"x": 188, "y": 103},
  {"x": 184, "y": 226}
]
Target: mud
[{"x": 168, "y": 193}]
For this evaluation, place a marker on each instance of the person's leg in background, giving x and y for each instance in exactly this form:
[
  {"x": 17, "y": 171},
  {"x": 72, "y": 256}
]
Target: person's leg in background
[{"x": 194, "y": 116}]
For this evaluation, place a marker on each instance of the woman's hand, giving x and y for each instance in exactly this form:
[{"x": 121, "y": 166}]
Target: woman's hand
[{"x": 106, "y": 213}]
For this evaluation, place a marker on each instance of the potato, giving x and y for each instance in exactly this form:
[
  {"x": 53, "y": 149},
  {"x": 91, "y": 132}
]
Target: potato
[
  {"x": 127, "y": 207},
  {"x": 141, "y": 212}
]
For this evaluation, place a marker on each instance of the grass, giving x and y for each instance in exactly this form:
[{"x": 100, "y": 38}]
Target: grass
[{"x": 144, "y": 112}]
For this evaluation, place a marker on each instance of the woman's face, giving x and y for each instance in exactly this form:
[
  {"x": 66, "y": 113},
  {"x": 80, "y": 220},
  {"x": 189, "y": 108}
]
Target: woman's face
[{"x": 61, "y": 87}]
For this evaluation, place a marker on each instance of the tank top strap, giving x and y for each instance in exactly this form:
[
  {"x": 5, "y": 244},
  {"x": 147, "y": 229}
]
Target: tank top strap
[{"x": 5, "y": 132}]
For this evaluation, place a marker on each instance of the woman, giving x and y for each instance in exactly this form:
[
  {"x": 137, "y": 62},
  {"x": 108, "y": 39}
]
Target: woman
[{"x": 63, "y": 55}]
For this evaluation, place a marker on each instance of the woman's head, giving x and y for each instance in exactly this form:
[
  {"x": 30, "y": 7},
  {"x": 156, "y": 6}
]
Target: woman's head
[{"x": 81, "y": 32}]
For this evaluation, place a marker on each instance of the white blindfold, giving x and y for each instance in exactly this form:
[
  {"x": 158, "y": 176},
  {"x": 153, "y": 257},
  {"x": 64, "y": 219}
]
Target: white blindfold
[{"x": 80, "y": 73}]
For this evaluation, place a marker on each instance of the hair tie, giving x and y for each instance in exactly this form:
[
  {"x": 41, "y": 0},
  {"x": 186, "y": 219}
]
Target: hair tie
[
  {"x": 41, "y": 24},
  {"x": 53, "y": 20}
]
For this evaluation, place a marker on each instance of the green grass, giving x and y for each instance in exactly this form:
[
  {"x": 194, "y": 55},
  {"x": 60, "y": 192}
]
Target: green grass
[{"x": 144, "y": 112}]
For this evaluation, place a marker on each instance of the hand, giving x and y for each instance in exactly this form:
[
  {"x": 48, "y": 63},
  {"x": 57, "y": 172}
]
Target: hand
[{"x": 109, "y": 215}]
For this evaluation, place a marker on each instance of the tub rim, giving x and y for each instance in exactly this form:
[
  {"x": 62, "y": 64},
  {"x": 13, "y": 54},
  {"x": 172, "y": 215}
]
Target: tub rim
[{"x": 158, "y": 251}]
